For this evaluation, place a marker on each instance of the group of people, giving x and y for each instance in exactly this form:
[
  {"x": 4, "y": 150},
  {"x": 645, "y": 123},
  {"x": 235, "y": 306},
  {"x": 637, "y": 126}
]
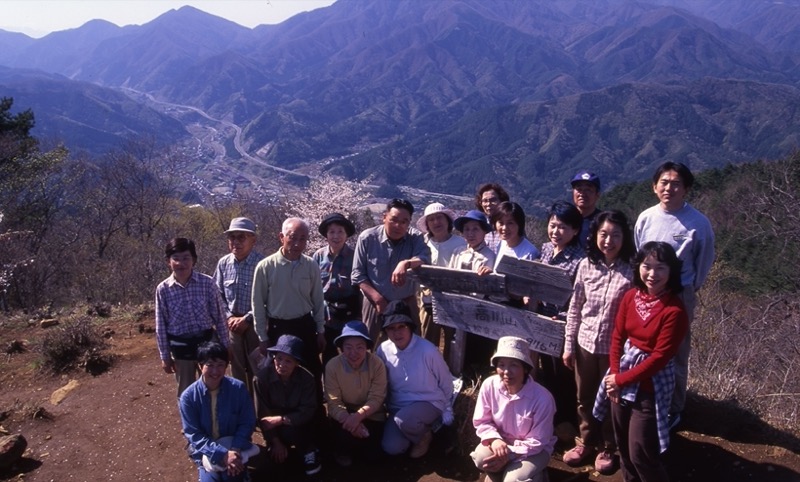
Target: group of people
[{"x": 299, "y": 331}]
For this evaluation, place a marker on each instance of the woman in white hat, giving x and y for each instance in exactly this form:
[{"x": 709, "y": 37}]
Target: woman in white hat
[
  {"x": 513, "y": 418},
  {"x": 437, "y": 224}
]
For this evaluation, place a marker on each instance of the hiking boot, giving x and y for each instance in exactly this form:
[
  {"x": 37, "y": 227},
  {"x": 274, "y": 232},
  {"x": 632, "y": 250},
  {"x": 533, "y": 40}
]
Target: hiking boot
[
  {"x": 311, "y": 462},
  {"x": 605, "y": 463},
  {"x": 421, "y": 448},
  {"x": 577, "y": 456}
]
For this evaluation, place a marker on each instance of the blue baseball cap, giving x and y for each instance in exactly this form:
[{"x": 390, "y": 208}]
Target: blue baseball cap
[
  {"x": 586, "y": 176},
  {"x": 473, "y": 215}
]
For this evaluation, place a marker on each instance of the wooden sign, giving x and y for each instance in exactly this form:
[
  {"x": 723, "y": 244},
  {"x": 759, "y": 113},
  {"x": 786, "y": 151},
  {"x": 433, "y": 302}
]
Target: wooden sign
[
  {"x": 460, "y": 281},
  {"x": 542, "y": 282},
  {"x": 493, "y": 320}
]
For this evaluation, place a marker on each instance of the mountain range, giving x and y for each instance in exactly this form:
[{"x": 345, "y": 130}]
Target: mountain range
[{"x": 440, "y": 95}]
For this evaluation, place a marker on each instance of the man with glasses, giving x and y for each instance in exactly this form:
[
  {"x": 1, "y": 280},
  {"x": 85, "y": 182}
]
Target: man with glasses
[
  {"x": 383, "y": 255},
  {"x": 234, "y": 280}
]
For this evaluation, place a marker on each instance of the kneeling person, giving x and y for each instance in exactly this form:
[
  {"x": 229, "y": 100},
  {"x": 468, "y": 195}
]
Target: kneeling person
[
  {"x": 355, "y": 388},
  {"x": 513, "y": 418},
  {"x": 286, "y": 399},
  {"x": 218, "y": 419}
]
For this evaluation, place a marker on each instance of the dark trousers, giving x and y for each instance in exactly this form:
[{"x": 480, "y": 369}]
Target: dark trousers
[
  {"x": 560, "y": 381},
  {"x": 590, "y": 369},
  {"x": 304, "y": 328},
  {"x": 637, "y": 440},
  {"x": 367, "y": 449}
]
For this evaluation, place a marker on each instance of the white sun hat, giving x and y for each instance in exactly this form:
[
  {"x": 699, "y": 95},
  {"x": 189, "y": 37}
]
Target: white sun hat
[
  {"x": 434, "y": 208},
  {"x": 513, "y": 347}
]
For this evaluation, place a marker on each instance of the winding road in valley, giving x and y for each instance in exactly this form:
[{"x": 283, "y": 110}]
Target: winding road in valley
[{"x": 165, "y": 107}]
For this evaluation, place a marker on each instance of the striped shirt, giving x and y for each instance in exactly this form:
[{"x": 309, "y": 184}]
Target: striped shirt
[
  {"x": 234, "y": 280},
  {"x": 595, "y": 302},
  {"x": 188, "y": 310}
]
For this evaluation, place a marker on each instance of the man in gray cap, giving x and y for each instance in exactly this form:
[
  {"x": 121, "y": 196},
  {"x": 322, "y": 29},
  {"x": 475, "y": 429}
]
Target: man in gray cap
[
  {"x": 234, "y": 279},
  {"x": 585, "y": 194}
]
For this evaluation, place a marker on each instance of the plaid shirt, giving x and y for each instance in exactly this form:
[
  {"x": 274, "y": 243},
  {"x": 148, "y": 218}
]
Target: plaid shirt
[
  {"x": 595, "y": 302},
  {"x": 234, "y": 280},
  {"x": 188, "y": 310},
  {"x": 567, "y": 259},
  {"x": 492, "y": 239},
  {"x": 663, "y": 385}
]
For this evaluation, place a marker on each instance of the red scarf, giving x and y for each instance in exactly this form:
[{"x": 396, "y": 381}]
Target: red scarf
[{"x": 647, "y": 306}]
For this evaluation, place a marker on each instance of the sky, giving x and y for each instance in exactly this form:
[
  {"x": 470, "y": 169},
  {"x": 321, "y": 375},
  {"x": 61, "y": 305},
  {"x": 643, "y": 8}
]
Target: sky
[{"x": 37, "y": 18}]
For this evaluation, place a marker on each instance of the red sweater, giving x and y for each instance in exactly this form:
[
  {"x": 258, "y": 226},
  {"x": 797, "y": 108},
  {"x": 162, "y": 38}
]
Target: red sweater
[{"x": 661, "y": 338}]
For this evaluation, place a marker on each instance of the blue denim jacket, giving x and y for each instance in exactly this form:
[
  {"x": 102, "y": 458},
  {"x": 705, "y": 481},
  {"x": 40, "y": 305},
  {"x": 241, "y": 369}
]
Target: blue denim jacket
[{"x": 235, "y": 417}]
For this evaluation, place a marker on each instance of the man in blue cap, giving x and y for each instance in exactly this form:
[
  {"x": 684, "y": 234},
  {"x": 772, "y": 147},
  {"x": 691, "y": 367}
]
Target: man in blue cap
[{"x": 585, "y": 194}]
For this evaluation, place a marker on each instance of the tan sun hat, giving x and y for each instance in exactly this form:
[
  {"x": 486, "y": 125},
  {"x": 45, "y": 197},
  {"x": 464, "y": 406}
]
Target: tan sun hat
[{"x": 513, "y": 347}]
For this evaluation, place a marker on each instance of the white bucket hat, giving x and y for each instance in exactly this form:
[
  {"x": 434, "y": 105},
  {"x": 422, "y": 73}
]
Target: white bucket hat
[
  {"x": 434, "y": 208},
  {"x": 513, "y": 347},
  {"x": 226, "y": 442}
]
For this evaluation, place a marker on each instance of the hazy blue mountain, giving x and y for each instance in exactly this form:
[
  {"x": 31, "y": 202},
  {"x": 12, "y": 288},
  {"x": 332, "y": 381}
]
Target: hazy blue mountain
[
  {"x": 11, "y": 43},
  {"x": 424, "y": 83},
  {"x": 66, "y": 51},
  {"x": 87, "y": 117}
]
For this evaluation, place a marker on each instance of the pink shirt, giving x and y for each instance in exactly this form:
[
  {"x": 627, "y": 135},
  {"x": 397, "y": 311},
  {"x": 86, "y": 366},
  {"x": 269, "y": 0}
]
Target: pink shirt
[{"x": 523, "y": 420}]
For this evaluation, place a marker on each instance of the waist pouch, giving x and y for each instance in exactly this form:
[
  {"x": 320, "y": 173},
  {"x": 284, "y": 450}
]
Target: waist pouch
[{"x": 185, "y": 347}]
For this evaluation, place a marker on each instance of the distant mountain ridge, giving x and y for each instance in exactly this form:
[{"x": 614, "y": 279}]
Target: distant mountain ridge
[{"x": 613, "y": 85}]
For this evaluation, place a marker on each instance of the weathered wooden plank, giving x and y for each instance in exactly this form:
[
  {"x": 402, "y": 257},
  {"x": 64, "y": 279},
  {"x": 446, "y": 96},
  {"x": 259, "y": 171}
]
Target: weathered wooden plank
[
  {"x": 460, "y": 281},
  {"x": 493, "y": 320},
  {"x": 540, "y": 281}
]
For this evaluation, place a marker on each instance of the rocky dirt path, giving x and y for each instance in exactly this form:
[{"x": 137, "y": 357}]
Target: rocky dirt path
[{"x": 123, "y": 425}]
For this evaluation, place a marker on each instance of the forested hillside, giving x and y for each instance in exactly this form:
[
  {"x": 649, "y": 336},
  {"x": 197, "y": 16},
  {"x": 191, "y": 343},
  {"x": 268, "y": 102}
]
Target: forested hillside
[{"x": 435, "y": 95}]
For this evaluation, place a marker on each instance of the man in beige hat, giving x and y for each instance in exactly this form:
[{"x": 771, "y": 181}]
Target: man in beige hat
[{"x": 234, "y": 280}]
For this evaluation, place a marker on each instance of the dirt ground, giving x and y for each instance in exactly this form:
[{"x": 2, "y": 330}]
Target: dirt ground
[{"x": 123, "y": 425}]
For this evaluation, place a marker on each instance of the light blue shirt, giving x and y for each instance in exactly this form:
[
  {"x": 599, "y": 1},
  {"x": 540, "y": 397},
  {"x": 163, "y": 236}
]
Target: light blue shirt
[
  {"x": 377, "y": 256},
  {"x": 688, "y": 231}
]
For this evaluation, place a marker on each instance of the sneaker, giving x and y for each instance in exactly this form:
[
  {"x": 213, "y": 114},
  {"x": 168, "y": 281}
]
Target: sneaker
[
  {"x": 605, "y": 463},
  {"x": 311, "y": 462},
  {"x": 421, "y": 448},
  {"x": 578, "y": 456},
  {"x": 344, "y": 460},
  {"x": 674, "y": 420}
]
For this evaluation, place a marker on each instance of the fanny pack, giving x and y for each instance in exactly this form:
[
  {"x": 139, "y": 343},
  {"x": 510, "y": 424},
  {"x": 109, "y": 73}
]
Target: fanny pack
[{"x": 185, "y": 347}]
